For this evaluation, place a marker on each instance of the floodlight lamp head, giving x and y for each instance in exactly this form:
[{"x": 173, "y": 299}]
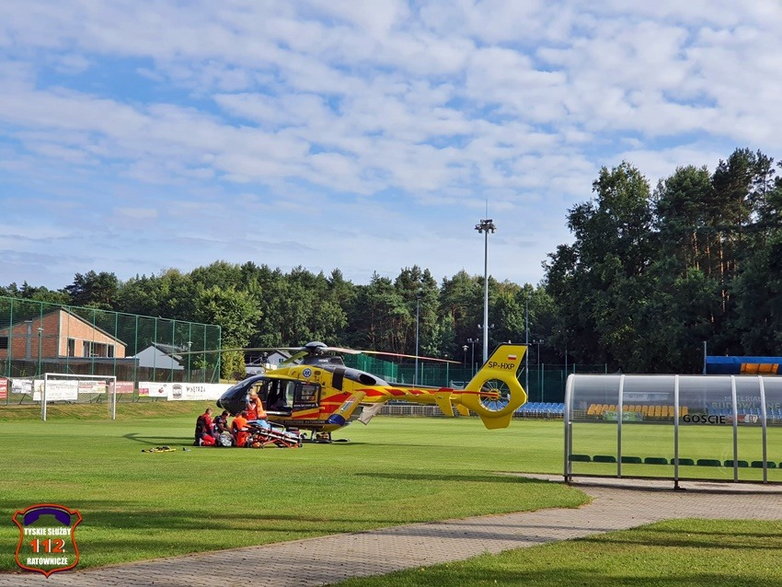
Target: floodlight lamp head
[{"x": 485, "y": 225}]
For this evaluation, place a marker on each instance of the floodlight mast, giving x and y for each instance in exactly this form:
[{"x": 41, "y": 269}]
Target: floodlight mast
[{"x": 485, "y": 226}]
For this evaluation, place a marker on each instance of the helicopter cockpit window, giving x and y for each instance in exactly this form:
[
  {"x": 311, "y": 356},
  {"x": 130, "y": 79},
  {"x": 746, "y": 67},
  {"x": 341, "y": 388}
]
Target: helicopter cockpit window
[
  {"x": 309, "y": 392},
  {"x": 289, "y": 388}
]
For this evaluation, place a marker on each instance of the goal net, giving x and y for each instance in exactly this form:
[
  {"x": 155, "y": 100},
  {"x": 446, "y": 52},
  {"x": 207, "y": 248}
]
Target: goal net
[{"x": 72, "y": 388}]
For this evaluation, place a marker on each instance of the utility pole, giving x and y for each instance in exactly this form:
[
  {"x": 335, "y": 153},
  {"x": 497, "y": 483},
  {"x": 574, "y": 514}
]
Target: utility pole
[
  {"x": 526, "y": 342},
  {"x": 417, "y": 322}
]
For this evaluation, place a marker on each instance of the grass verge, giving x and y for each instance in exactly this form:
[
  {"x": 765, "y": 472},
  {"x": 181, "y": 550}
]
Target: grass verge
[{"x": 678, "y": 552}]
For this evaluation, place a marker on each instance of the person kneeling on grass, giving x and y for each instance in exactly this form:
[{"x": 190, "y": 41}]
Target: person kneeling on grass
[
  {"x": 239, "y": 429},
  {"x": 221, "y": 423},
  {"x": 222, "y": 432},
  {"x": 204, "y": 429}
]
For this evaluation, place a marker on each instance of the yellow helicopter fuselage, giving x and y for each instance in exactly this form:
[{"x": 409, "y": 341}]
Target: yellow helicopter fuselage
[{"x": 323, "y": 394}]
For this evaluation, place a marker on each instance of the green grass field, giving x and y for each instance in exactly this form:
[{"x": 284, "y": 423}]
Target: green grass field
[{"x": 139, "y": 505}]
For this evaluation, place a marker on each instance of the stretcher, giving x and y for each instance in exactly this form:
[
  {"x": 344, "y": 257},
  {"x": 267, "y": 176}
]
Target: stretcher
[{"x": 266, "y": 434}]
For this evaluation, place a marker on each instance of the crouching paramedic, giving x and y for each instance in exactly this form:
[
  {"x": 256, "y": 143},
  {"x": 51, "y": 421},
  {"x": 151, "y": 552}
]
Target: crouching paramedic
[
  {"x": 204, "y": 429},
  {"x": 239, "y": 429}
]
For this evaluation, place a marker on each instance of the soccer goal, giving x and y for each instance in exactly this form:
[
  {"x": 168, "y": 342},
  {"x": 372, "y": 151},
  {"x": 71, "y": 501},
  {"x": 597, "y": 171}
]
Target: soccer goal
[{"x": 72, "y": 387}]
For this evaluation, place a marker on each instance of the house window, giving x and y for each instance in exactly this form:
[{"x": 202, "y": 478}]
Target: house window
[
  {"x": 3, "y": 343},
  {"x": 71, "y": 347},
  {"x": 98, "y": 349}
]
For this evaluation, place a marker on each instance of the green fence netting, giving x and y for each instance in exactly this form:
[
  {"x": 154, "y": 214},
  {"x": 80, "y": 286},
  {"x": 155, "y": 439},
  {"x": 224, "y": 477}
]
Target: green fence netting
[
  {"x": 543, "y": 383},
  {"x": 38, "y": 337}
]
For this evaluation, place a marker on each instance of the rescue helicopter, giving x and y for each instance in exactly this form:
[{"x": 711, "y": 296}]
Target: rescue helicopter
[{"x": 314, "y": 390}]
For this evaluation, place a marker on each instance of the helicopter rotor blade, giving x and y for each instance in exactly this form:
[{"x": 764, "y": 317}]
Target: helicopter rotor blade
[
  {"x": 294, "y": 357},
  {"x": 409, "y": 356},
  {"x": 242, "y": 349},
  {"x": 337, "y": 349},
  {"x": 312, "y": 348}
]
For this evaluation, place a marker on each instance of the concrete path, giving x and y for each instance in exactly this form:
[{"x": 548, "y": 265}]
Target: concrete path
[{"x": 617, "y": 504}]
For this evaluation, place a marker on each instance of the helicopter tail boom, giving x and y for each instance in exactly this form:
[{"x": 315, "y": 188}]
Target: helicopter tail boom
[{"x": 494, "y": 393}]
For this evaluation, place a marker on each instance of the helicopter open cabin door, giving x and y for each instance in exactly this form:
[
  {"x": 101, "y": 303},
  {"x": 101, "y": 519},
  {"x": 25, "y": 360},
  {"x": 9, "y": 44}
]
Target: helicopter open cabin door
[{"x": 277, "y": 395}]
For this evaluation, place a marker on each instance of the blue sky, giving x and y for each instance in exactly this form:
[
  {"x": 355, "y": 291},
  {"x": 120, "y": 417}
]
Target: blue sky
[{"x": 366, "y": 136}]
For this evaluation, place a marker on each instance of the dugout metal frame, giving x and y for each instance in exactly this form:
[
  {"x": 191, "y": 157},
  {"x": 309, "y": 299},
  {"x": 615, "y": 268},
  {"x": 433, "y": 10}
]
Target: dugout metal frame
[{"x": 738, "y": 411}]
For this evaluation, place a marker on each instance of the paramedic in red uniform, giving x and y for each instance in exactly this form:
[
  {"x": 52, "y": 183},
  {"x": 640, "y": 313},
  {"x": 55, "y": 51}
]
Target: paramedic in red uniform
[{"x": 204, "y": 430}]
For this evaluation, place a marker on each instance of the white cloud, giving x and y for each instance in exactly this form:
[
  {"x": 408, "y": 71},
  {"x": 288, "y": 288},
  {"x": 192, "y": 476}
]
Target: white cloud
[
  {"x": 137, "y": 214},
  {"x": 346, "y": 115},
  {"x": 661, "y": 163}
]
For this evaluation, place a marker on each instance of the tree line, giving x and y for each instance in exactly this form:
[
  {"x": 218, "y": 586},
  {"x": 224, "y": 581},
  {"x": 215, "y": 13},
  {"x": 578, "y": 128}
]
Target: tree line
[
  {"x": 258, "y": 306},
  {"x": 655, "y": 273},
  {"x": 651, "y": 275}
]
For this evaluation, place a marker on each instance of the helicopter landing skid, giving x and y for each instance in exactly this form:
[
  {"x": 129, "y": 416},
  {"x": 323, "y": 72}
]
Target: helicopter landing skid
[
  {"x": 321, "y": 437},
  {"x": 324, "y": 438}
]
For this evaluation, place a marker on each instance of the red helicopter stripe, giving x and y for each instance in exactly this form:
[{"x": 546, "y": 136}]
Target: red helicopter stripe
[
  {"x": 375, "y": 394},
  {"x": 340, "y": 397}
]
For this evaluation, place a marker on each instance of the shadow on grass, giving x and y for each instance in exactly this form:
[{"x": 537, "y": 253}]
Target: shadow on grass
[
  {"x": 344, "y": 442},
  {"x": 557, "y": 576},
  {"x": 132, "y": 516},
  {"x": 665, "y": 536},
  {"x": 730, "y": 487},
  {"x": 475, "y": 478},
  {"x": 158, "y": 440}
]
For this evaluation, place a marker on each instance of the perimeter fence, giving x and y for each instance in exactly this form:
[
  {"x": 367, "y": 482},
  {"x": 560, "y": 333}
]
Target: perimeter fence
[
  {"x": 543, "y": 382},
  {"x": 39, "y": 337}
]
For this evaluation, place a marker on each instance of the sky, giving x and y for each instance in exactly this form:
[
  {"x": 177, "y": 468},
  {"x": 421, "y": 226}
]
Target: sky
[{"x": 366, "y": 136}]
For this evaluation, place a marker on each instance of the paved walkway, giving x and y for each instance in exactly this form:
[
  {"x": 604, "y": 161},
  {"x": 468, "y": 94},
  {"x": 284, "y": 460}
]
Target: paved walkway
[{"x": 617, "y": 504}]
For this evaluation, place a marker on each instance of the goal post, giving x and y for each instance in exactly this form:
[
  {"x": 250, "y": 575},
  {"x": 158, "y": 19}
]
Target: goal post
[{"x": 75, "y": 387}]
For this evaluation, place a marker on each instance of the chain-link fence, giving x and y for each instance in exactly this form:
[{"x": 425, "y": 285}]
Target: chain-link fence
[
  {"x": 543, "y": 383},
  {"x": 38, "y": 337}
]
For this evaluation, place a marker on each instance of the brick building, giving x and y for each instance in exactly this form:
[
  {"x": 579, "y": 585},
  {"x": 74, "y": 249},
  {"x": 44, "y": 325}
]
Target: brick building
[{"x": 58, "y": 334}]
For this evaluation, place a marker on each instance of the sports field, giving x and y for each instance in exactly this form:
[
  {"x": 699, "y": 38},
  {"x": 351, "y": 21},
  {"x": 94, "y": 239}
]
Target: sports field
[{"x": 139, "y": 505}]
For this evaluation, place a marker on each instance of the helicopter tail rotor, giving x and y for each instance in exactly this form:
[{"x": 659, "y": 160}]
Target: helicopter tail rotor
[{"x": 495, "y": 392}]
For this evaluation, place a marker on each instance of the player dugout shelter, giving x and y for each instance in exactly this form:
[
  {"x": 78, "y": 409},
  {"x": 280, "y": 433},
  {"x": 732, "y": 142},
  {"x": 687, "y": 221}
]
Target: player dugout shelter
[{"x": 678, "y": 427}]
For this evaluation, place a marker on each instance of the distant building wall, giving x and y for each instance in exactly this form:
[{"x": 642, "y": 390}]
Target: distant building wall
[{"x": 58, "y": 334}]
